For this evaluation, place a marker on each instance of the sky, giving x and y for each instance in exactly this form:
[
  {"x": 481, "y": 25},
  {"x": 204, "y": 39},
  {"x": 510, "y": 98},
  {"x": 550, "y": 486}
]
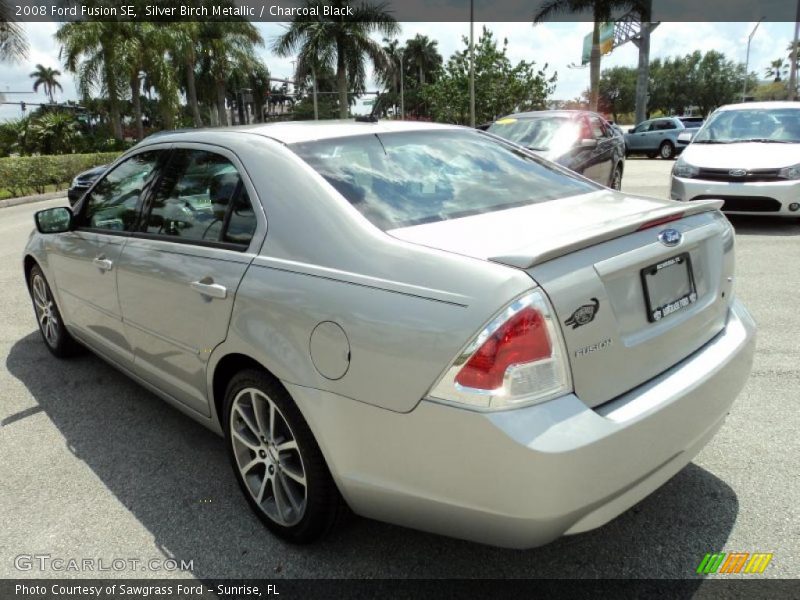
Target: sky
[{"x": 557, "y": 44}]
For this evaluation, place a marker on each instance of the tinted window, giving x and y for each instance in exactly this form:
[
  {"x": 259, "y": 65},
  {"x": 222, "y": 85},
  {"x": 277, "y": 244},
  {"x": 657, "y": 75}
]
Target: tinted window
[
  {"x": 407, "y": 178},
  {"x": 113, "y": 204},
  {"x": 598, "y": 131},
  {"x": 666, "y": 124},
  {"x": 241, "y": 222},
  {"x": 193, "y": 195}
]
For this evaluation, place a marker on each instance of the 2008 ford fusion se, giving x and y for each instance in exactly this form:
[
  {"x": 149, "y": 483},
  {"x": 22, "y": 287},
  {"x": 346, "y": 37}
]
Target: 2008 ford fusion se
[{"x": 424, "y": 323}]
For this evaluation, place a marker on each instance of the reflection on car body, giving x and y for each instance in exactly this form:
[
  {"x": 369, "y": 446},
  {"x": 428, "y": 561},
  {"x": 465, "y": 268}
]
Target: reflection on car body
[{"x": 427, "y": 323}]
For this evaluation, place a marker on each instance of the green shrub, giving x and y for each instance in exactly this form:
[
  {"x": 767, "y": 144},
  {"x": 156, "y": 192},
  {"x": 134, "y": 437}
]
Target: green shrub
[{"x": 23, "y": 175}]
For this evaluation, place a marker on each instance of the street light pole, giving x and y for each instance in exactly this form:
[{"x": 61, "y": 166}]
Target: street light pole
[
  {"x": 747, "y": 58},
  {"x": 471, "y": 64}
]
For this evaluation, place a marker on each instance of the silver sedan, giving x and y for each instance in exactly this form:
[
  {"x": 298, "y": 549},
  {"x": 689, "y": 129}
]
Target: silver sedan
[{"x": 425, "y": 323}]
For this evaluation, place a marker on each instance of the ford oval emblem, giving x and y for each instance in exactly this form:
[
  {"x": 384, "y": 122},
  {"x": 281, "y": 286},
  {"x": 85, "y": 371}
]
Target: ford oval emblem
[
  {"x": 738, "y": 172},
  {"x": 670, "y": 237}
]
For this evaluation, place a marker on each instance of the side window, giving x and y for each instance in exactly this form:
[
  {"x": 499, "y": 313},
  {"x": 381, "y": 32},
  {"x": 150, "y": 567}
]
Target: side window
[
  {"x": 113, "y": 203},
  {"x": 200, "y": 197},
  {"x": 598, "y": 131},
  {"x": 242, "y": 221},
  {"x": 642, "y": 127},
  {"x": 666, "y": 124}
]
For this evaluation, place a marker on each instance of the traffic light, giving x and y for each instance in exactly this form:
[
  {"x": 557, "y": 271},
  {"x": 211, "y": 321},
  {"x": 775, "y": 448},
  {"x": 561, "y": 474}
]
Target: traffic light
[{"x": 22, "y": 106}]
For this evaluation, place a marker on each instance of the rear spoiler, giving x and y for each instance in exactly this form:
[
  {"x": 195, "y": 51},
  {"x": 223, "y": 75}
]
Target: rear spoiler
[{"x": 602, "y": 232}]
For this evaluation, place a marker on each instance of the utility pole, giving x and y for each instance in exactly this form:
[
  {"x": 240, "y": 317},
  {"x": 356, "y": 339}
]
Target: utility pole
[
  {"x": 747, "y": 58},
  {"x": 314, "y": 91},
  {"x": 402, "y": 102},
  {"x": 471, "y": 63},
  {"x": 793, "y": 60}
]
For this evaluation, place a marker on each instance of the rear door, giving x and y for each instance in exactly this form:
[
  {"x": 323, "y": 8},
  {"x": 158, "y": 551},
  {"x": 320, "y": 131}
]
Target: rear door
[
  {"x": 85, "y": 260},
  {"x": 177, "y": 277}
]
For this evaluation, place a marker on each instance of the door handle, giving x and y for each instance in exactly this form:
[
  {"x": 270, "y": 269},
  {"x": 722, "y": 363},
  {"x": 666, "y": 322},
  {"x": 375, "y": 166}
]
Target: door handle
[
  {"x": 207, "y": 288},
  {"x": 102, "y": 263}
]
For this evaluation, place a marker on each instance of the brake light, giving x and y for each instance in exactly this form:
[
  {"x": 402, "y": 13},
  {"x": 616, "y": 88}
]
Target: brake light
[
  {"x": 522, "y": 339},
  {"x": 517, "y": 359},
  {"x": 660, "y": 221}
]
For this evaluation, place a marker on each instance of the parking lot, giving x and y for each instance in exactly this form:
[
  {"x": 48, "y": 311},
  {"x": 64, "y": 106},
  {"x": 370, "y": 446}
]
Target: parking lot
[{"x": 95, "y": 466}]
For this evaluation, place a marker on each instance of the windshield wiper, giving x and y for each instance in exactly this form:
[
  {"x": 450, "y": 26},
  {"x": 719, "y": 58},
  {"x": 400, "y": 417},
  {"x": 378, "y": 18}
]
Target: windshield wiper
[
  {"x": 536, "y": 148},
  {"x": 713, "y": 141}
]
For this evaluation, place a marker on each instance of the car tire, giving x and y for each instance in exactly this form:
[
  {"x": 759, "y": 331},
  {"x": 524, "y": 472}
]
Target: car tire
[
  {"x": 616, "y": 178},
  {"x": 51, "y": 325},
  {"x": 666, "y": 151},
  {"x": 276, "y": 460}
]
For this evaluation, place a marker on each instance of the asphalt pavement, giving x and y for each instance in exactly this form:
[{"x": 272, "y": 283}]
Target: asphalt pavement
[{"x": 94, "y": 466}]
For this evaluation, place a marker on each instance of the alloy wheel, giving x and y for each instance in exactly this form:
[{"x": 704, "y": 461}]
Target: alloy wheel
[
  {"x": 268, "y": 457},
  {"x": 45, "y": 310}
]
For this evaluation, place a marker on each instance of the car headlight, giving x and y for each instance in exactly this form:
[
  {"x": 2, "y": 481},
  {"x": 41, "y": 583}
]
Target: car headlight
[
  {"x": 792, "y": 172},
  {"x": 683, "y": 169}
]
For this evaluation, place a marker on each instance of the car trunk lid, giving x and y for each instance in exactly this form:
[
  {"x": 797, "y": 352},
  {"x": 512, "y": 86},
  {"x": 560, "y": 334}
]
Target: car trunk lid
[{"x": 590, "y": 261}]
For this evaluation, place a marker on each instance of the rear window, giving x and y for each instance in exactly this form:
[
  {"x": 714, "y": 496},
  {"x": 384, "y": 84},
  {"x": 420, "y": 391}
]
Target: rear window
[{"x": 409, "y": 178}]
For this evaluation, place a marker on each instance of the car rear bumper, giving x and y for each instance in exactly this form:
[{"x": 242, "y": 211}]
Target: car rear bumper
[
  {"x": 521, "y": 478},
  {"x": 773, "y": 198}
]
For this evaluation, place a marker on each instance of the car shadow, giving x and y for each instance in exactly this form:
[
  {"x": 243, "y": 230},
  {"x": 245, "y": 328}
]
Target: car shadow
[
  {"x": 764, "y": 225},
  {"x": 174, "y": 477}
]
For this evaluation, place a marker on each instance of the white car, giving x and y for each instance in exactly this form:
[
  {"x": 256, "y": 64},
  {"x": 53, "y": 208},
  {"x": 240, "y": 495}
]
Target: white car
[{"x": 747, "y": 155}]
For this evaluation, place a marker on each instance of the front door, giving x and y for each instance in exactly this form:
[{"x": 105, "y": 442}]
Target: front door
[
  {"x": 85, "y": 260},
  {"x": 178, "y": 275}
]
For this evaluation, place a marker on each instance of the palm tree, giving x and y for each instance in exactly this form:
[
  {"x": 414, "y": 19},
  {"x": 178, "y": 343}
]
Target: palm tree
[
  {"x": 47, "y": 78},
  {"x": 13, "y": 45},
  {"x": 186, "y": 41},
  {"x": 55, "y": 132},
  {"x": 91, "y": 49},
  {"x": 776, "y": 68},
  {"x": 422, "y": 52},
  {"x": 601, "y": 12},
  {"x": 226, "y": 45},
  {"x": 345, "y": 39}
]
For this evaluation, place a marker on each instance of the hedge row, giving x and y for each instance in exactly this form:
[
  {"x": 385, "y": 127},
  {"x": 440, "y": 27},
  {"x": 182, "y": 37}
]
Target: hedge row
[{"x": 22, "y": 175}]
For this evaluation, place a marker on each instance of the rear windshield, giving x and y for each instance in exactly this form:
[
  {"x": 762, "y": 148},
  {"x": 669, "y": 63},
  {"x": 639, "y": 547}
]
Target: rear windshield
[
  {"x": 408, "y": 178},
  {"x": 538, "y": 133}
]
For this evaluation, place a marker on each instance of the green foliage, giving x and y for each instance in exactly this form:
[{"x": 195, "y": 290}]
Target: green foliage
[
  {"x": 32, "y": 174},
  {"x": 618, "y": 91},
  {"x": 705, "y": 81},
  {"x": 500, "y": 87}
]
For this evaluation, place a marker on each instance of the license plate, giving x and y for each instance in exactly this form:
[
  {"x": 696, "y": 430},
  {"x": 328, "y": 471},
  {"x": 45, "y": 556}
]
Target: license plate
[{"x": 668, "y": 287}]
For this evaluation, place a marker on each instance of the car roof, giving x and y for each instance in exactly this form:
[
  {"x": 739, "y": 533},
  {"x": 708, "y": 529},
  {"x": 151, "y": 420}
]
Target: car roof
[
  {"x": 751, "y": 105},
  {"x": 290, "y": 132}
]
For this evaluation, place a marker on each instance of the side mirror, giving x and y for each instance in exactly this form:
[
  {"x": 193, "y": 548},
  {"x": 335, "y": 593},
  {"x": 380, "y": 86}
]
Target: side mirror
[
  {"x": 53, "y": 220},
  {"x": 588, "y": 143}
]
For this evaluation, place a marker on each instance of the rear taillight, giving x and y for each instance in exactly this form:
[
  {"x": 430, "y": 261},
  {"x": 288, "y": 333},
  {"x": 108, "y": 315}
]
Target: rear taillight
[{"x": 517, "y": 359}]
